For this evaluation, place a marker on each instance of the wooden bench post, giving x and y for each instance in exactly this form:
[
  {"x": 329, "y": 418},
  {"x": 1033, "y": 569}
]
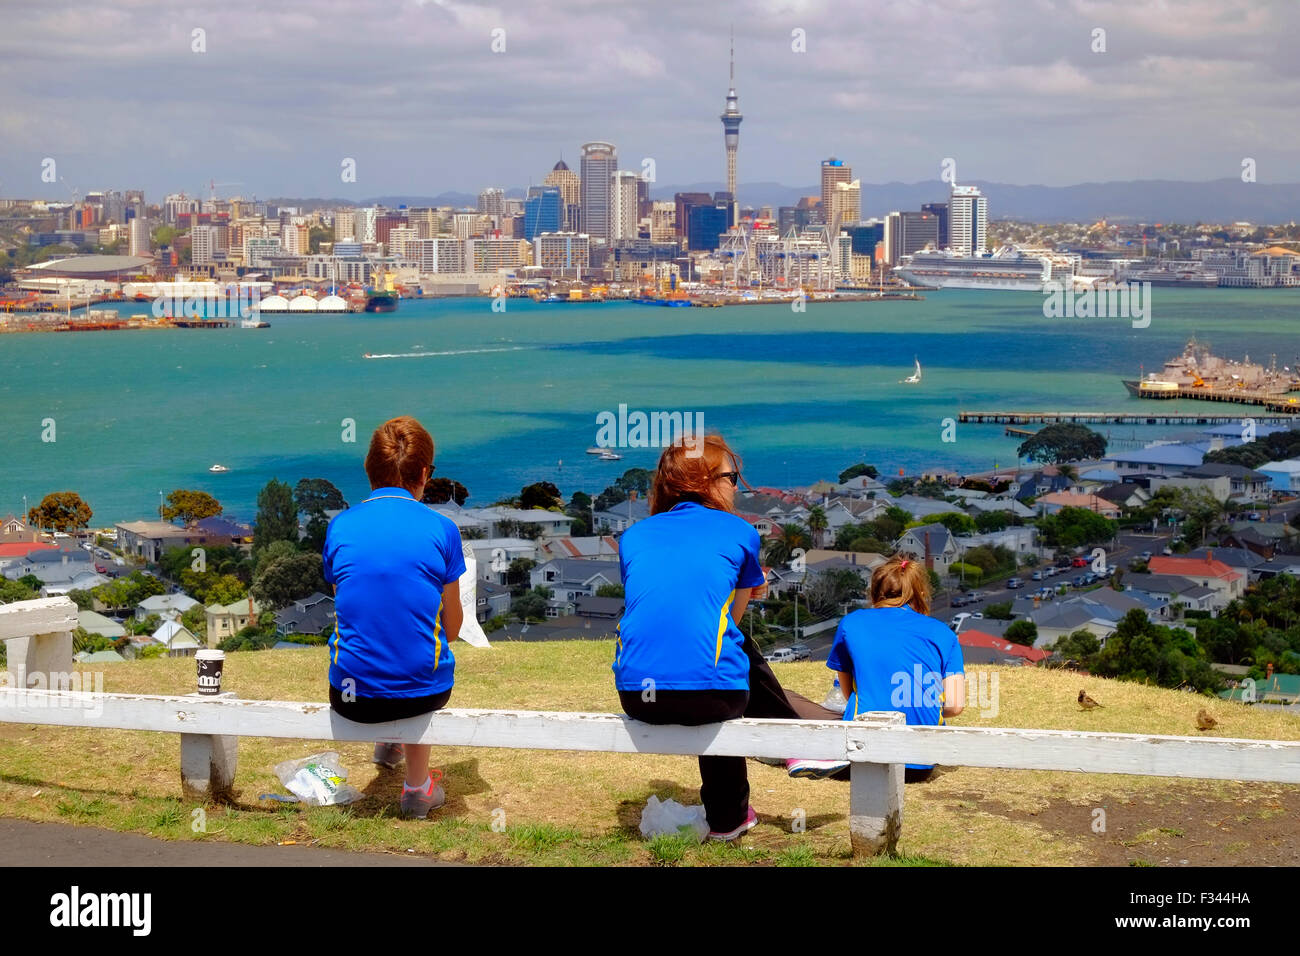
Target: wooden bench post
[
  {"x": 208, "y": 762},
  {"x": 38, "y": 642},
  {"x": 875, "y": 795}
]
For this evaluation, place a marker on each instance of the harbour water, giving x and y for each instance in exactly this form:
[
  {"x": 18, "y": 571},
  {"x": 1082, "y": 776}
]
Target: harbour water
[{"x": 513, "y": 397}]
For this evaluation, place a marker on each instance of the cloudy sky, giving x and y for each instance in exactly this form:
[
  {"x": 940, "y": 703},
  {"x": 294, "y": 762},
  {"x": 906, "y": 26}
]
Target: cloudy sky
[{"x": 1013, "y": 90}]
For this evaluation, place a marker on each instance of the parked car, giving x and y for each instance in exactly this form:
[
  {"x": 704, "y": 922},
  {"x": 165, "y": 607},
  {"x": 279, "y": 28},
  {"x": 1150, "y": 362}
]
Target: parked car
[
  {"x": 1013, "y": 583},
  {"x": 1253, "y": 516},
  {"x": 1167, "y": 550},
  {"x": 1036, "y": 576},
  {"x": 1146, "y": 555},
  {"x": 1079, "y": 562},
  {"x": 1077, "y": 580},
  {"x": 959, "y": 600},
  {"x": 958, "y": 620},
  {"x": 781, "y": 655},
  {"x": 801, "y": 651}
]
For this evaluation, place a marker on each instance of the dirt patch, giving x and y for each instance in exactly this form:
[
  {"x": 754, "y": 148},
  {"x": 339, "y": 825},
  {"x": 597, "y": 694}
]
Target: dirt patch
[{"x": 1175, "y": 828}]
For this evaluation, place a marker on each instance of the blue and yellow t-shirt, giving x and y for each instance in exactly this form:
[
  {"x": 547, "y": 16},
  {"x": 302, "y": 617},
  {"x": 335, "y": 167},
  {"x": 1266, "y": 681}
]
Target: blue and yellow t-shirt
[
  {"x": 898, "y": 659},
  {"x": 390, "y": 556},
  {"x": 681, "y": 569}
]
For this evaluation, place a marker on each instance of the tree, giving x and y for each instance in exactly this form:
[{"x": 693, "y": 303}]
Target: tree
[
  {"x": 1061, "y": 443},
  {"x": 277, "y": 516},
  {"x": 1081, "y": 645},
  {"x": 853, "y": 471},
  {"x": 1023, "y": 631},
  {"x": 1073, "y": 527},
  {"x": 610, "y": 591},
  {"x": 226, "y": 589},
  {"x": 999, "y": 612},
  {"x": 987, "y": 521},
  {"x": 317, "y": 495},
  {"x": 441, "y": 490},
  {"x": 190, "y": 506},
  {"x": 11, "y": 591},
  {"x": 531, "y": 606},
  {"x": 541, "y": 494},
  {"x": 827, "y": 591},
  {"x": 817, "y": 523},
  {"x": 634, "y": 479},
  {"x": 83, "y": 599},
  {"x": 781, "y": 549},
  {"x": 61, "y": 511},
  {"x": 289, "y": 578},
  {"x": 272, "y": 552},
  {"x": 955, "y": 521},
  {"x": 517, "y": 575}
]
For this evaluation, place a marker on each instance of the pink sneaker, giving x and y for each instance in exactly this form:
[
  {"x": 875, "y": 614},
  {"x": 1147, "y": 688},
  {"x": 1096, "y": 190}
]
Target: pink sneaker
[{"x": 751, "y": 821}]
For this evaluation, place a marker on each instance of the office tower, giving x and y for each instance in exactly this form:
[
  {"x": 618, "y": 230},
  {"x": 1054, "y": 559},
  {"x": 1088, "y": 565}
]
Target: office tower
[
  {"x": 400, "y": 241},
  {"x": 599, "y": 163},
  {"x": 543, "y": 211},
  {"x": 561, "y": 251},
  {"x": 570, "y": 186},
  {"x": 865, "y": 237},
  {"x": 138, "y": 244},
  {"x": 968, "y": 215},
  {"x": 385, "y": 224},
  {"x": 731, "y": 125},
  {"x": 833, "y": 171},
  {"x": 683, "y": 203},
  {"x": 846, "y": 204},
  {"x": 364, "y": 218},
  {"x": 643, "y": 203},
  {"x": 202, "y": 245},
  {"x": 624, "y": 208},
  {"x": 345, "y": 225},
  {"x": 663, "y": 222},
  {"x": 706, "y": 224},
  {"x": 424, "y": 221},
  {"x": 441, "y": 254},
  {"x": 940, "y": 211},
  {"x": 909, "y": 232}
]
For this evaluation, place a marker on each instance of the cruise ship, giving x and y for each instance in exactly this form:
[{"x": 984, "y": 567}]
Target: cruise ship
[{"x": 1008, "y": 268}]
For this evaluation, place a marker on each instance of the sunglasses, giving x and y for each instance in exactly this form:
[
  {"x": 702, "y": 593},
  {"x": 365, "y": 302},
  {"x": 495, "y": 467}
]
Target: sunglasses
[{"x": 731, "y": 476}]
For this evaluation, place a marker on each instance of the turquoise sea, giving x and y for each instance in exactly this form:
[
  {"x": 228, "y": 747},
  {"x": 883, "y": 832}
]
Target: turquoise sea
[{"x": 512, "y": 397}]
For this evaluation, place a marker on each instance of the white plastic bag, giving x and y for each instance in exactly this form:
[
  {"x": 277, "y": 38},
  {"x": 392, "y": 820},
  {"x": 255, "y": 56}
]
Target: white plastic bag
[
  {"x": 471, "y": 631},
  {"x": 673, "y": 818},
  {"x": 318, "y": 781}
]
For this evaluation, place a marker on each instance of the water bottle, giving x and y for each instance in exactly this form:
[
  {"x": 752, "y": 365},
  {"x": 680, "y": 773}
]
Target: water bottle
[{"x": 835, "y": 699}]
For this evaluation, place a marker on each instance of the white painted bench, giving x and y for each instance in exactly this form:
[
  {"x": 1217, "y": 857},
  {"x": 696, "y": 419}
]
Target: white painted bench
[{"x": 876, "y": 747}]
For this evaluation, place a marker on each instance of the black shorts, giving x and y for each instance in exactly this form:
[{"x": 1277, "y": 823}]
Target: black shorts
[{"x": 378, "y": 710}]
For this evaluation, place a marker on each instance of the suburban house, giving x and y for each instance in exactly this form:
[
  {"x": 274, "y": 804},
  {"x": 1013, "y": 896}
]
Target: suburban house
[
  {"x": 1284, "y": 476},
  {"x": 919, "y": 507},
  {"x": 1172, "y": 589},
  {"x": 980, "y": 647},
  {"x": 95, "y": 623},
  {"x": 1056, "y": 619},
  {"x": 1207, "y": 572},
  {"x": 51, "y": 565},
  {"x": 848, "y": 511},
  {"x": 1050, "y": 504},
  {"x": 1221, "y": 481},
  {"x": 606, "y": 609},
  {"x": 1019, "y": 540},
  {"x": 310, "y": 615},
  {"x": 492, "y": 556},
  {"x": 491, "y": 600},
  {"x": 1169, "y": 459},
  {"x": 548, "y": 524},
  {"x": 177, "y": 638},
  {"x": 572, "y": 578},
  {"x": 623, "y": 515},
  {"x": 149, "y": 539},
  {"x": 227, "y": 620},
  {"x": 1239, "y": 559},
  {"x": 15, "y": 551},
  {"x": 166, "y": 606},
  {"x": 15, "y": 530},
  {"x": 1125, "y": 496},
  {"x": 931, "y": 543},
  {"x": 592, "y": 546}
]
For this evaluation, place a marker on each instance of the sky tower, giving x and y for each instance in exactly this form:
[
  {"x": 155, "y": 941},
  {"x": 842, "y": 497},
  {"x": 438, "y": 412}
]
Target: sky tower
[{"x": 731, "y": 125}]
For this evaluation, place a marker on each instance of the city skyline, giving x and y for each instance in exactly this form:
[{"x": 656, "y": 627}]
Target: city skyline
[{"x": 1188, "y": 96}]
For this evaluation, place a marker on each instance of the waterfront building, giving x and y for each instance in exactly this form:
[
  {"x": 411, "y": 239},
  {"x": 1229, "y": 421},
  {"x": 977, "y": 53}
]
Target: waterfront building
[
  {"x": 138, "y": 244},
  {"x": 909, "y": 232},
  {"x": 624, "y": 206},
  {"x": 940, "y": 211},
  {"x": 599, "y": 164},
  {"x": 202, "y": 245},
  {"x": 731, "y": 119},
  {"x": 345, "y": 225},
  {"x": 490, "y": 254},
  {"x": 663, "y": 222},
  {"x": 846, "y": 204},
  {"x": 259, "y": 249},
  {"x": 562, "y": 252},
  {"x": 967, "y": 221},
  {"x": 399, "y": 241},
  {"x": 705, "y": 226},
  {"x": 683, "y": 203}
]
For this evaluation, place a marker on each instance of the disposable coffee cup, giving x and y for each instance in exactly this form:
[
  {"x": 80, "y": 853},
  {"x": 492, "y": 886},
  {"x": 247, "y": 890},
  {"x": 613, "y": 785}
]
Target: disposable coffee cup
[{"x": 210, "y": 664}]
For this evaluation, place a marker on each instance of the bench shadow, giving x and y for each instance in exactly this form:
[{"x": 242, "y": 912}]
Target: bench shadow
[{"x": 383, "y": 795}]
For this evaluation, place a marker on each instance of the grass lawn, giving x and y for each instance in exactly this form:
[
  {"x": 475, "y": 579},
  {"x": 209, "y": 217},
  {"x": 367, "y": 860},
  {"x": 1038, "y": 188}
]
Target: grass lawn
[{"x": 583, "y": 809}]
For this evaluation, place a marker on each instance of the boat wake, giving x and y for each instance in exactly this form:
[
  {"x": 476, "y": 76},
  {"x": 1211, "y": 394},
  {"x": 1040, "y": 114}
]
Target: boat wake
[{"x": 399, "y": 355}]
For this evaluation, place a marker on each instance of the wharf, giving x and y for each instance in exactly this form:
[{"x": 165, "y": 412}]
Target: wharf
[{"x": 1118, "y": 418}]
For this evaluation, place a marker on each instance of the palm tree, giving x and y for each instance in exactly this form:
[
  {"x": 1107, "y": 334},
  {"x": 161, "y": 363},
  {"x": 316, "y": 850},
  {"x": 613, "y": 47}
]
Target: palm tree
[
  {"x": 781, "y": 549},
  {"x": 1069, "y": 472},
  {"x": 817, "y": 524}
]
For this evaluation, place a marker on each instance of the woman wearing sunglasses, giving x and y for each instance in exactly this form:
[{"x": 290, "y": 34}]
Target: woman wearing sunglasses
[{"x": 689, "y": 571}]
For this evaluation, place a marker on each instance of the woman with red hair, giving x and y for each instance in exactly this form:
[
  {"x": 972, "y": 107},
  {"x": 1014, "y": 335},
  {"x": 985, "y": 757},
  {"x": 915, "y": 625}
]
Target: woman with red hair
[
  {"x": 689, "y": 571},
  {"x": 395, "y": 565}
]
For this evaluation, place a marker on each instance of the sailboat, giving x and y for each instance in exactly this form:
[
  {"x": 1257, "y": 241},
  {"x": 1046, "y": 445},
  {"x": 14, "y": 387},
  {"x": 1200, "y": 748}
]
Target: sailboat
[{"x": 915, "y": 377}]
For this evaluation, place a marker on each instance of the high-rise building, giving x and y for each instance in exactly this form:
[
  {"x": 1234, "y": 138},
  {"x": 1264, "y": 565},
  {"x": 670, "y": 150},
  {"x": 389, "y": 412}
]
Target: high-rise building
[
  {"x": 846, "y": 204},
  {"x": 624, "y": 207},
  {"x": 400, "y": 241},
  {"x": 909, "y": 232},
  {"x": 706, "y": 224},
  {"x": 443, "y": 254},
  {"x": 663, "y": 222},
  {"x": 385, "y": 224},
  {"x": 424, "y": 221},
  {"x": 599, "y": 163},
  {"x": 731, "y": 125},
  {"x": 138, "y": 244},
  {"x": 684, "y": 202},
  {"x": 833, "y": 171},
  {"x": 562, "y": 251},
  {"x": 492, "y": 202},
  {"x": 570, "y": 186},
  {"x": 345, "y": 225},
  {"x": 543, "y": 211},
  {"x": 202, "y": 245},
  {"x": 968, "y": 215},
  {"x": 365, "y": 218},
  {"x": 940, "y": 211}
]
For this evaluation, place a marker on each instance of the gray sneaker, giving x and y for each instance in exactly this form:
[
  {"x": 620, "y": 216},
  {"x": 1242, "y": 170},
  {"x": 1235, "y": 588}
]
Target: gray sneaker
[
  {"x": 416, "y": 804},
  {"x": 389, "y": 755}
]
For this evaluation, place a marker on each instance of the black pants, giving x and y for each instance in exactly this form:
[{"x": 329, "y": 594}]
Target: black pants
[
  {"x": 725, "y": 784},
  {"x": 379, "y": 710}
]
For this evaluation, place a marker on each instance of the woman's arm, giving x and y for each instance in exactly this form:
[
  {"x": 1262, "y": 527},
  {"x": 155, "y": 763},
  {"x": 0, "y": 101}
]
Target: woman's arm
[
  {"x": 846, "y": 683},
  {"x": 452, "y": 614},
  {"x": 739, "y": 603},
  {"x": 954, "y": 694}
]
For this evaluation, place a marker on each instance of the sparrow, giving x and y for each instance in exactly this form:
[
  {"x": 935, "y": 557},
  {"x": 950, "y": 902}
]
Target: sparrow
[
  {"x": 1204, "y": 721},
  {"x": 1086, "y": 702}
]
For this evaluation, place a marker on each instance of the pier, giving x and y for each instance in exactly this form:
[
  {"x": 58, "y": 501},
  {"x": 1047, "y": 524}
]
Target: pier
[{"x": 1117, "y": 418}]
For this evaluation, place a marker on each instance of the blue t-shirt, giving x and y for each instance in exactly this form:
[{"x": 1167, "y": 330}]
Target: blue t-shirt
[
  {"x": 681, "y": 569},
  {"x": 390, "y": 556},
  {"x": 898, "y": 659}
]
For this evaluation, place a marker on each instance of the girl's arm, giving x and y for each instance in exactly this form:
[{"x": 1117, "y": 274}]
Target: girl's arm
[
  {"x": 452, "y": 615},
  {"x": 846, "y": 683},
  {"x": 954, "y": 694},
  {"x": 739, "y": 604}
]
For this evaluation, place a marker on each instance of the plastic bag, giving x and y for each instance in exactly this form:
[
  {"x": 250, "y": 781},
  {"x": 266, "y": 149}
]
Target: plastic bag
[
  {"x": 318, "y": 781},
  {"x": 673, "y": 818}
]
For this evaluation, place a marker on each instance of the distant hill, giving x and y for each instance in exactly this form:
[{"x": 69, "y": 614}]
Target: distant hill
[{"x": 1153, "y": 200}]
